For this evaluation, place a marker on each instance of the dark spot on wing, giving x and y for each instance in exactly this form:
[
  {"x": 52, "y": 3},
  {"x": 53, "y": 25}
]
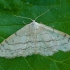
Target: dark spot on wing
[
  {"x": 65, "y": 35},
  {"x": 68, "y": 39},
  {"x": 15, "y": 33}
]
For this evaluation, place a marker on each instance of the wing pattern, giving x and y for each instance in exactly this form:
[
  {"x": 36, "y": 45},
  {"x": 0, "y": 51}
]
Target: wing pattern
[
  {"x": 34, "y": 38},
  {"x": 51, "y": 41}
]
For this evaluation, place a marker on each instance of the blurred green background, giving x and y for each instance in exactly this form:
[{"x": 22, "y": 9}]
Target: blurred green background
[{"x": 57, "y": 17}]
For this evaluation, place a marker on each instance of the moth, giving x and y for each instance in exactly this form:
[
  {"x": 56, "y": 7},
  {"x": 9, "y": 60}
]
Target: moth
[{"x": 35, "y": 38}]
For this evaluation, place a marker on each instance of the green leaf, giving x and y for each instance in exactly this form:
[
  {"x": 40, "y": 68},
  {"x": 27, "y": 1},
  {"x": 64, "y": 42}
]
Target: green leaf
[{"x": 58, "y": 17}]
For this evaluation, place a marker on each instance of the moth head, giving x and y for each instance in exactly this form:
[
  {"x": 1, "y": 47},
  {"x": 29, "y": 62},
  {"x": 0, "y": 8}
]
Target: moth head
[{"x": 34, "y": 23}]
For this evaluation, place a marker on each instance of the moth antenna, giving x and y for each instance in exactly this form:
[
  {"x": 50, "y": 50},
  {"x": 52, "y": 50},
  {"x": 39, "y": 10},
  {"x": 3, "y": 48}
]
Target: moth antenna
[
  {"x": 43, "y": 13},
  {"x": 24, "y": 17}
]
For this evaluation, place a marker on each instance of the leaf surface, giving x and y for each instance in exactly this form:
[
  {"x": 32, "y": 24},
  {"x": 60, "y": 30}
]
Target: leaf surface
[{"x": 57, "y": 17}]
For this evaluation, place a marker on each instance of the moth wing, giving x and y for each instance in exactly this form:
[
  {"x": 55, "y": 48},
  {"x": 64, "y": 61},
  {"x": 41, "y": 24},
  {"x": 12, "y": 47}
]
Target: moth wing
[{"x": 50, "y": 41}]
